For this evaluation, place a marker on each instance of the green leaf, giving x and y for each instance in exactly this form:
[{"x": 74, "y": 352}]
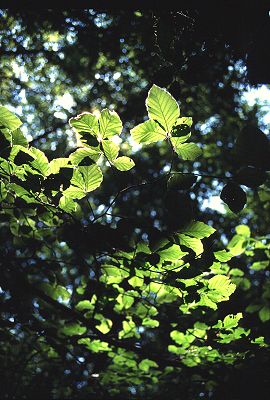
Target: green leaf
[
  {"x": 231, "y": 321},
  {"x": 192, "y": 243},
  {"x": 56, "y": 164},
  {"x": 3, "y": 191},
  {"x": 222, "y": 288},
  {"x": 181, "y": 131},
  {"x": 129, "y": 329},
  {"x": 188, "y": 151},
  {"x": 150, "y": 323},
  {"x": 172, "y": 253},
  {"x": 184, "y": 121},
  {"x": 207, "y": 302},
  {"x": 243, "y": 230},
  {"x": 67, "y": 204},
  {"x": 78, "y": 155},
  {"x": 260, "y": 341},
  {"x": 113, "y": 274},
  {"x": 72, "y": 330},
  {"x": 198, "y": 230},
  {"x": 182, "y": 339},
  {"x": 223, "y": 255},
  {"x": 259, "y": 265},
  {"x": 148, "y": 132},
  {"x": 110, "y": 124},
  {"x": 41, "y": 162},
  {"x": 264, "y": 314},
  {"x": 145, "y": 311},
  {"x": 8, "y": 119},
  {"x": 21, "y": 192},
  {"x": 125, "y": 301},
  {"x": 237, "y": 245},
  {"x": 136, "y": 281},
  {"x": 236, "y": 272},
  {"x": 105, "y": 324},
  {"x": 146, "y": 364},
  {"x": 87, "y": 178},
  {"x": 86, "y": 304},
  {"x": 123, "y": 163},
  {"x": 110, "y": 149},
  {"x": 85, "y": 122},
  {"x": 235, "y": 334},
  {"x": 162, "y": 107},
  {"x": 96, "y": 345},
  {"x": 18, "y": 138},
  {"x": 21, "y": 155},
  {"x": 74, "y": 192},
  {"x": 55, "y": 291}
]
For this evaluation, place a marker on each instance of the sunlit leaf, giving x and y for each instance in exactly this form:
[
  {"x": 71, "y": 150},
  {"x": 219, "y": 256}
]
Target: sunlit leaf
[
  {"x": 85, "y": 122},
  {"x": 105, "y": 324},
  {"x": 56, "y": 164},
  {"x": 223, "y": 255},
  {"x": 150, "y": 323},
  {"x": 123, "y": 163},
  {"x": 87, "y": 178},
  {"x": 146, "y": 364},
  {"x": 192, "y": 243},
  {"x": 95, "y": 345},
  {"x": 162, "y": 107},
  {"x": 243, "y": 230},
  {"x": 78, "y": 155},
  {"x": 221, "y": 288},
  {"x": 41, "y": 162},
  {"x": 67, "y": 204},
  {"x": 8, "y": 119},
  {"x": 198, "y": 229},
  {"x": 18, "y": 138},
  {"x": 172, "y": 253},
  {"x": 109, "y": 124},
  {"x": 110, "y": 149},
  {"x": 148, "y": 132}
]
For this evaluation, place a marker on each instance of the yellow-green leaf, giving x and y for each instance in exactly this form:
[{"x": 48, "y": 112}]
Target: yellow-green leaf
[
  {"x": 109, "y": 124},
  {"x": 123, "y": 163},
  {"x": 148, "y": 132},
  {"x": 85, "y": 122},
  {"x": 8, "y": 119},
  {"x": 87, "y": 178},
  {"x": 192, "y": 243},
  {"x": 198, "y": 229},
  {"x": 110, "y": 149},
  {"x": 162, "y": 107}
]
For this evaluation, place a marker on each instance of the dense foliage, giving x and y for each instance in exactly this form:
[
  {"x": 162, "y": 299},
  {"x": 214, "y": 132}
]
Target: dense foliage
[{"x": 116, "y": 281}]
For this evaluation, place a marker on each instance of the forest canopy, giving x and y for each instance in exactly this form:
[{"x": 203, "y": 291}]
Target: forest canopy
[{"x": 118, "y": 129}]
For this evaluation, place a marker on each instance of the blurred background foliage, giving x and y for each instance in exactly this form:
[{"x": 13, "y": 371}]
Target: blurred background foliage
[{"x": 55, "y": 64}]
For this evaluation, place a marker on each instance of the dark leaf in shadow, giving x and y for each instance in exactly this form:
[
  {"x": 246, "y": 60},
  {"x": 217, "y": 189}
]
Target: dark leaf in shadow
[{"x": 234, "y": 196}]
